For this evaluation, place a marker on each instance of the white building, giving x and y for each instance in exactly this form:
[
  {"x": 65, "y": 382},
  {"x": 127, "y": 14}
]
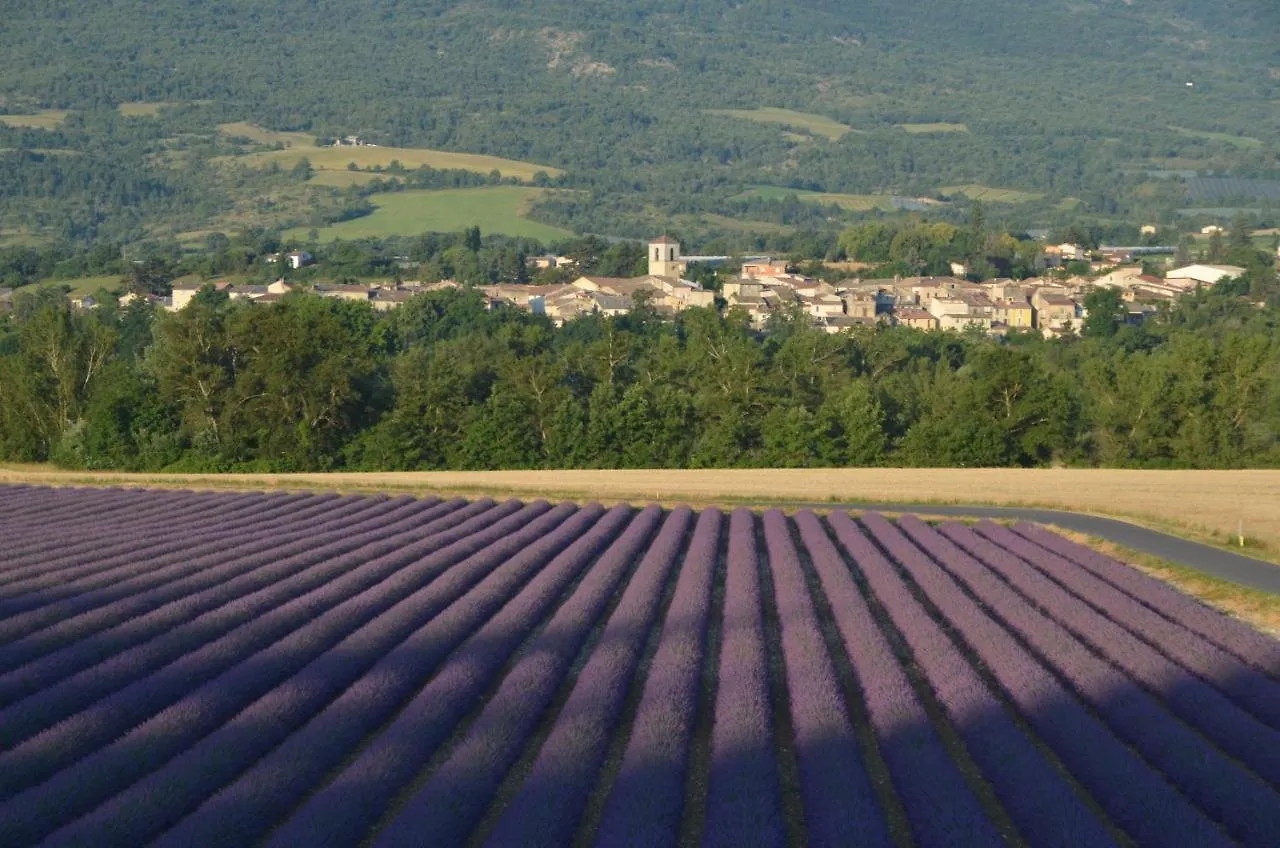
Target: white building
[
  {"x": 1190, "y": 276},
  {"x": 1071, "y": 252}
]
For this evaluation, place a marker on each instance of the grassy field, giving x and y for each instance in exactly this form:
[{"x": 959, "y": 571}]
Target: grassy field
[
  {"x": 80, "y": 285},
  {"x": 1206, "y": 505},
  {"x": 88, "y": 285},
  {"x": 20, "y": 238},
  {"x": 1243, "y": 142},
  {"x": 346, "y": 179},
  {"x": 815, "y": 124},
  {"x": 143, "y": 109},
  {"x": 494, "y": 209},
  {"x": 855, "y": 202},
  {"x": 302, "y": 145},
  {"x": 991, "y": 195},
  {"x": 253, "y": 132},
  {"x": 46, "y": 151},
  {"x": 920, "y": 129},
  {"x": 1260, "y": 241},
  {"x": 46, "y": 119},
  {"x": 727, "y": 223}
]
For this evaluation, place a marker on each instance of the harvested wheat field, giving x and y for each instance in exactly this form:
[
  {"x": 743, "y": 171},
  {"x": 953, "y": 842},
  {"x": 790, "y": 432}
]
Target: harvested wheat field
[{"x": 1202, "y": 503}]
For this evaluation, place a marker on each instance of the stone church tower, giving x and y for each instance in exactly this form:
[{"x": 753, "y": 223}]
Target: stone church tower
[{"x": 664, "y": 258}]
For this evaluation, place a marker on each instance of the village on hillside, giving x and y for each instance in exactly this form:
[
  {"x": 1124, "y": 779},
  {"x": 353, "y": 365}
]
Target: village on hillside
[{"x": 766, "y": 288}]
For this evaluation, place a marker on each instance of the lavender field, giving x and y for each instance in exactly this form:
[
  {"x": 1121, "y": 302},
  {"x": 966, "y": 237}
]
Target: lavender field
[{"x": 190, "y": 669}]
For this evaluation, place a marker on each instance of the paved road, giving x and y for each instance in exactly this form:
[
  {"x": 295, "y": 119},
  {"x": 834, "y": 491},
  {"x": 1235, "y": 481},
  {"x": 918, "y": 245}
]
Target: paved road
[{"x": 1237, "y": 568}]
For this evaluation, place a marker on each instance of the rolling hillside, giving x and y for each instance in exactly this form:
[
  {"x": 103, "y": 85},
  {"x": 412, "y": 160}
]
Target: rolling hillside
[{"x": 1073, "y": 99}]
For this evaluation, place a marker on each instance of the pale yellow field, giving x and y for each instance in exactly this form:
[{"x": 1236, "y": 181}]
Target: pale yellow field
[
  {"x": 300, "y": 145},
  {"x": 1205, "y": 504},
  {"x": 46, "y": 119},
  {"x": 935, "y": 128}
]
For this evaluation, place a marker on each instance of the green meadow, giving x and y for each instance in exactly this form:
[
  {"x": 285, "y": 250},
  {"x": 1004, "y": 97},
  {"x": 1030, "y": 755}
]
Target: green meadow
[
  {"x": 494, "y": 209},
  {"x": 46, "y": 119},
  {"x": 297, "y": 146},
  {"x": 853, "y": 202},
  {"x": 1242, "y": 142},
  {"x": 975, "y": 191},
  {"x": 814, "y": 124},
  {"x": 921, "y": 129}
]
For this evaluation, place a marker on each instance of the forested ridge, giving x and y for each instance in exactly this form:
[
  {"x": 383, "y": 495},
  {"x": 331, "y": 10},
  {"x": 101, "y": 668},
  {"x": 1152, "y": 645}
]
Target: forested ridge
[
  {"x": 318, "y": 384},
  {"x": 1078, "y": 103}
]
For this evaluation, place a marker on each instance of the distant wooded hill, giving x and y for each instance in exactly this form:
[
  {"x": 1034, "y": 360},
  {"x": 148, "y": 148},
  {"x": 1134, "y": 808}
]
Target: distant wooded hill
[{"x": 652, "y": 107}]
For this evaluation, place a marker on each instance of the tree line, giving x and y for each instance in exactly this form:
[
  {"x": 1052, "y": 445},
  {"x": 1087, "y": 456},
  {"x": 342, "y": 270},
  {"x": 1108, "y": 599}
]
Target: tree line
[{"x": 442, "y": 383}]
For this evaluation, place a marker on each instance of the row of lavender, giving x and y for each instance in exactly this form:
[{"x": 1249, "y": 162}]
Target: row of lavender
[{"x": 193, "y": 669}]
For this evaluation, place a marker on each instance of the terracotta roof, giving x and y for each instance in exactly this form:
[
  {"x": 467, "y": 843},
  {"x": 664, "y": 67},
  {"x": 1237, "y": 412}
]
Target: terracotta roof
[
  {"x": 664, "y": 240},
  {"x": 393, "y": 296},
  {"x": 607, "y": 281},
  {"x": 348, "y": 288}
]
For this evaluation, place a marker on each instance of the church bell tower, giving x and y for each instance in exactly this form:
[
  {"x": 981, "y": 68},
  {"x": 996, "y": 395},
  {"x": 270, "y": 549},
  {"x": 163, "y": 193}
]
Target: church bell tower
[{"x": 664, "y": 258}]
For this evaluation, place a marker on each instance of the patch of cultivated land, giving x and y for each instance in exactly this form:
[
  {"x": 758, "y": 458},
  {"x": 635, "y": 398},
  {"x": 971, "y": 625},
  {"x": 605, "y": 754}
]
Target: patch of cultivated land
[
  {"x": 298, "y": 146},
  {"x": 1205, "y": 503},
  {"x": 86, "y": 285},
  {"x": 992, "y": 195},
  {"x": 1243, "y": 142},
  {"x": 815, "y": 124},
  {"x": 46, "y": 119},
  {"x": 918, "y": 129},
  {"x": 183, "y": 668},
  {"x": 144, "y": 109},
  {"x": 46, "y": 151},
  {"x": 727, "y": 223},
  {"x": 854, "y": 202},
  {"x": 494, "y": 209},
  {"x": 346, "y": 179},
  {"x": 21, "y": 238}
]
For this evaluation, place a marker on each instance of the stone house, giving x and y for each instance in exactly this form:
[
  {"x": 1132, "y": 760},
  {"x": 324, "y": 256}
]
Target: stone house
[{"x": 915, "y": 318}]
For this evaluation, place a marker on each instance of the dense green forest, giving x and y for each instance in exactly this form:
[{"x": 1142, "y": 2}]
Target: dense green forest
[
  {"x": 1083, "y": 106},
  {"x": 317, "y": 384}
]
